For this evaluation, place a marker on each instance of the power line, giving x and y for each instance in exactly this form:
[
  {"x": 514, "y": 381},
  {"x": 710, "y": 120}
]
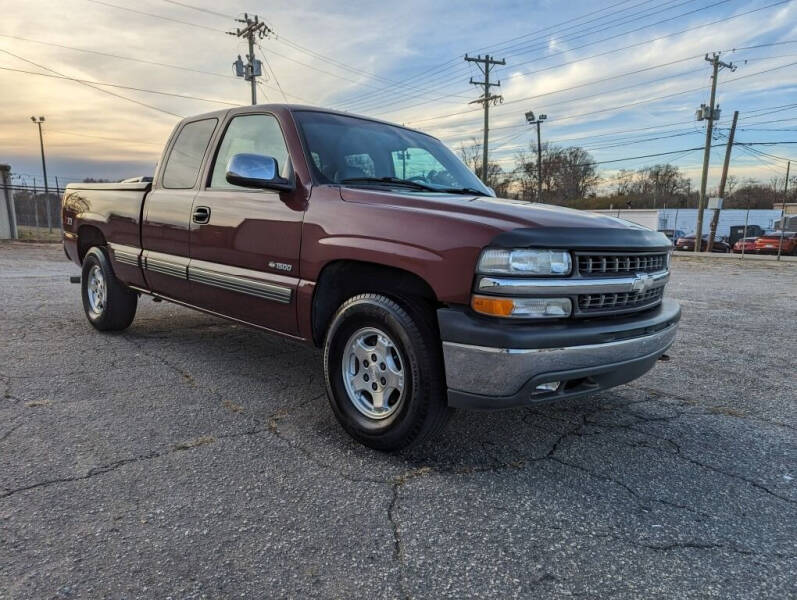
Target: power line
[
  {"x": 120, "y": 86},
  {"x": 619, "y": 141},
  {"x": 290, "y": 43},
  {"x": 653, "y": 99},
  {"x": 637, "y": 44},
  {"x": 200, "y": 9},
  {"x": 119, "y": 56},
  {"x": 498, "y": 47},
  {"x": 140, "y": 60},
  {"x": 285, "y": 40},
  {"x": 569, "y": 50},
  {"x": 524, "y": 99},
  {"x": 271, "y": 70},
  {"x": 156, "y": 16},
  {"x": 87, "y": 84},
  {"x": 102, "y": 137},
  {"x": 571, "y": 26}
]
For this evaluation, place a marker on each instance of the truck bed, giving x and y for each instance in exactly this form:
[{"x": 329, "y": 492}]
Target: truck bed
[{"x": 112, "y": 210}]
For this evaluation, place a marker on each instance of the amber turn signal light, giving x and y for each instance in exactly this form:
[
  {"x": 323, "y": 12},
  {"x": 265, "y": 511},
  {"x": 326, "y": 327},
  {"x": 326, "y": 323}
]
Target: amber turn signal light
[
  {"x": 522, "y": 308},
  {"x": 498, "y": 307}
]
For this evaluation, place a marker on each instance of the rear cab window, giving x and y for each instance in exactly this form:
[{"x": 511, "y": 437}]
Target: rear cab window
[{"x": 185, "y": 158}]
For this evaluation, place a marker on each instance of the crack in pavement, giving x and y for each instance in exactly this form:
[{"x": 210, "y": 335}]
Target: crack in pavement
[
  {"x": 676, "y": 545},
  {"x": 93, "y": 472},
  {"x": 642, "y": 501},
  {"x": 187, "y": 377},
  {"x": 112, "y": 466},
  {"x": 6, "y": 435},
  {"x": 689, "y": 402},
  {"x": 398, "y": 544}
]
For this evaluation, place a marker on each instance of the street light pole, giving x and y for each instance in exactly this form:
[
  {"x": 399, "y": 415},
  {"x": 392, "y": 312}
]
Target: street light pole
[
  {"x": 39, "y": 122},
  {"x": 538, "y": 121}
]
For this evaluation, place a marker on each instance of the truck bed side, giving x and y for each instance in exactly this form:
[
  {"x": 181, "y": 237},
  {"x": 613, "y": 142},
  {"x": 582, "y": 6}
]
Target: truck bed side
[{"x": 107, "y": 214}]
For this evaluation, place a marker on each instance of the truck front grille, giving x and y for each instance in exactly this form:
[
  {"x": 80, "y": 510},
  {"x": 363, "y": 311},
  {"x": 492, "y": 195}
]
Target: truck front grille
[
  {"x": 590, "y": 265},
  {"x": 618, "y": 302}
]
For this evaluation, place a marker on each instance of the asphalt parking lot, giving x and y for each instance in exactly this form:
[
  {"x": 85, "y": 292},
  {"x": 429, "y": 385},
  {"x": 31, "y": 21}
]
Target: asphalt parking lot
[{"x": 192, "y": 458}]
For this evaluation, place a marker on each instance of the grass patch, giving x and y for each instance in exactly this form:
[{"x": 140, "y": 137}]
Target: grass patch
[
  {"x": 33, "y": 403},
  {"x": 38, "y": 234},
  {"x": 232, "y": 406},
  {"x": 200, "y": 441},
  {"x": 727, "y": 410}
]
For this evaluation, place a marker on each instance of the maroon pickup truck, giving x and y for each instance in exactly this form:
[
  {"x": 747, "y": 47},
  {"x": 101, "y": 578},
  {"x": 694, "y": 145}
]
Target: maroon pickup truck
[{"x": 376, "y": 243}]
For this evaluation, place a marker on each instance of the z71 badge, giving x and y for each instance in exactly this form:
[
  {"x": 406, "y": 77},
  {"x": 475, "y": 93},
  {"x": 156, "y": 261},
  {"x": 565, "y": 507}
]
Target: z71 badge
[{"x": 280, "y": 266}]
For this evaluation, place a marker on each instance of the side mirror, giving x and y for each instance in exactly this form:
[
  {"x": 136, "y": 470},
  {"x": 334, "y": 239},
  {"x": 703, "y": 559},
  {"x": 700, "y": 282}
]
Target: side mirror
[{"x": 256, "y": 171}]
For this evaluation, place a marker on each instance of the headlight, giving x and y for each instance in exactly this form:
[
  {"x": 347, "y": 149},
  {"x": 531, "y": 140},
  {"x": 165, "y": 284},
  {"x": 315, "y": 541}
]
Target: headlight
[
  {"x": 522, "y": 308},
  {"x": 525, "y": 262}
]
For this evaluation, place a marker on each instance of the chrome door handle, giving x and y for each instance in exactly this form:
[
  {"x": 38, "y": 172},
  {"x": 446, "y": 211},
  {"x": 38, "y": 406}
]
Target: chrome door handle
[{"x": 201, "y": 214}]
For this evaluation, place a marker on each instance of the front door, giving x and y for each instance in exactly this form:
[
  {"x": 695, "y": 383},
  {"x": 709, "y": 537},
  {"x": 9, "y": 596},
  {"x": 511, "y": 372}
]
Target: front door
[
  {"x": 245, "y": 243},
  {"x": 165, "y": 229}
]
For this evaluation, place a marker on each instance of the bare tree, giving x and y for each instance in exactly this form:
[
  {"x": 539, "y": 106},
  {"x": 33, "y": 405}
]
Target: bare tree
[
  {"x": 730, "y": 184},
  {"x": 575, "y": 174},
  {"x": 568, "y": 174},
  {"x": 497, "y": 179},
  {"x": 471, "y": 154}
]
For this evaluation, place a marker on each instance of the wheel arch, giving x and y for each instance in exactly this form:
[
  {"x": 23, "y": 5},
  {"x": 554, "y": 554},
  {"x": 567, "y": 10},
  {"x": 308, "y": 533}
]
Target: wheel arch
[
  {"x": 88, "y": 236},
  {"x": 339, "y": 280}
]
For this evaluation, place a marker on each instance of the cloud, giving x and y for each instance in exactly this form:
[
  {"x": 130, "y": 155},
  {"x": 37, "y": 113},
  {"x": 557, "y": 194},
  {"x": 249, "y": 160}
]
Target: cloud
[{"x": 400, "y": 61}]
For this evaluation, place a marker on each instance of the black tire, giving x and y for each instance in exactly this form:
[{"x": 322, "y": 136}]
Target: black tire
[
  {"x": 421, "y": 410},
  {"x": 118, "y": 306}
]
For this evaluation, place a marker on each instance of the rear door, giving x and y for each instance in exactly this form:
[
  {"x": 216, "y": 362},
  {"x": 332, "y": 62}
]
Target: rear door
[
  {"x": 245, "y": 246},
  {"x": 165, "y": 229}
]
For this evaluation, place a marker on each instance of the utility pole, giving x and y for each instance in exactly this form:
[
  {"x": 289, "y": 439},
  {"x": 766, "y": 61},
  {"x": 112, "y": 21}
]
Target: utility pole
[
  {"x": 783, "y": 209},
  {"x": 538, "y": 121},
  {"x": 39, "y": 122},
  {"x": 253, "y": 68},
  {"x": 716, "y": 216},
  {"x": 709, "y": 113},
  {"x": 486, "y": 64}
]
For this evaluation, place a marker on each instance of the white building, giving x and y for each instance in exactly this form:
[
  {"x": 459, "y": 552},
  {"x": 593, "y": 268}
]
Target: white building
[{"x": 665, "y": 218}]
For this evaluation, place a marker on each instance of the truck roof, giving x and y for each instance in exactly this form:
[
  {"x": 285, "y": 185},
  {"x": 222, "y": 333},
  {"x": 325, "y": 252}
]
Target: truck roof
[{"x": 297, "y": 107}]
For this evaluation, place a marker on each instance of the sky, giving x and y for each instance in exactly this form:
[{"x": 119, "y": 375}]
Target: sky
[{"x": 620, "y": 78}]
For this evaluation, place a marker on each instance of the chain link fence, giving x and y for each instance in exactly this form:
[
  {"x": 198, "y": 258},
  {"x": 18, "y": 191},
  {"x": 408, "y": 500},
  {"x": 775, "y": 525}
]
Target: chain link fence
[{"x": 31, "y": 213}]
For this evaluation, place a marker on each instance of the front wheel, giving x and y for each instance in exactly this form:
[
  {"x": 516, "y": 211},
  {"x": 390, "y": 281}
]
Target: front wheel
[
  {"x": 108, "y": 304},
  {"x": 384, "y": 372}
]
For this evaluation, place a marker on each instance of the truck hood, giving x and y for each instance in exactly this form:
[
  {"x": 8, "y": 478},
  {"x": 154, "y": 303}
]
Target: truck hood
[
  {"x": 501, "y": 212},
  {"x": 518, "y": 224}
]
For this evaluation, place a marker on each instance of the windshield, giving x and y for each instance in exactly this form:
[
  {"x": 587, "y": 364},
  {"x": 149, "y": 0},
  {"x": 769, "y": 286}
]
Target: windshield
[{"x": 353, "y": 151}]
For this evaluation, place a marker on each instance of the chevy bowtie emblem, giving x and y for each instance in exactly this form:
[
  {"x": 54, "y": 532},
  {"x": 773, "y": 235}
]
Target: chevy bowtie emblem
[{"x": 641, "y": 282}]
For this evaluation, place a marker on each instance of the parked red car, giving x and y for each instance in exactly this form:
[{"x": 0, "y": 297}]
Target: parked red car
[
  {"x": 687, "y": 243},
  {"x": 769, "y": 242},
  {"x": 747, "y": 243}
]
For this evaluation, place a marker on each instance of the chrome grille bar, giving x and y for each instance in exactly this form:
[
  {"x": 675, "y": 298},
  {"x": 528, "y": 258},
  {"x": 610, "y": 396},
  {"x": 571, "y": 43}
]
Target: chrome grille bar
[{"x": 590, "y": 265}]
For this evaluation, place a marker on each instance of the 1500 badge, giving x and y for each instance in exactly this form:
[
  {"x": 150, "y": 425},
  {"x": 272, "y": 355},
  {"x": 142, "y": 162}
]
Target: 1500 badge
[{"x": 279, "y": 266}]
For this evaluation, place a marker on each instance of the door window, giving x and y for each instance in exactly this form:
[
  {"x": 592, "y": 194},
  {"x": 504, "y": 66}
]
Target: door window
[
  {"x": 185, "y": 158},
  {"x": 252, "y": 134}
]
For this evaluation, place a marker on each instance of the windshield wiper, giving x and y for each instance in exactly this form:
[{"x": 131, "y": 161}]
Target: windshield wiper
[
  {"x": 391, "y": 181},
  {"x": 464, "y": 190},
  {"x": 415, "y": 185}
]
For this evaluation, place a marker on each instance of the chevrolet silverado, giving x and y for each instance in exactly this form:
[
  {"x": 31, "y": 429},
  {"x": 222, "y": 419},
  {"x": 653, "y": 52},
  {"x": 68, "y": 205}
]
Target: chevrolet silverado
[{"x": 376, "y": 243}]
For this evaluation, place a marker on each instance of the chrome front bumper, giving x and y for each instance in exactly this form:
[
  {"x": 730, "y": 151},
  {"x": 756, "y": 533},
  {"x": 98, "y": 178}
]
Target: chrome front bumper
[{"x": 485, "y": 376}]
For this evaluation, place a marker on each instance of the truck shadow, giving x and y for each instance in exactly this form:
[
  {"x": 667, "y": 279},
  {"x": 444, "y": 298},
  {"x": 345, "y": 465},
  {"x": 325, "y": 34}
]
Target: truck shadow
[{"x": 280, "y": 383}]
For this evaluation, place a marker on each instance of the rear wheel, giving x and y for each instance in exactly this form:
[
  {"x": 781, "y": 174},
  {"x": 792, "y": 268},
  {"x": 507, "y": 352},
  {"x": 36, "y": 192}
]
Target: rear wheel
[
  {"x": 384, "y": 372},
  {"x": 109, "y": 305}
]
